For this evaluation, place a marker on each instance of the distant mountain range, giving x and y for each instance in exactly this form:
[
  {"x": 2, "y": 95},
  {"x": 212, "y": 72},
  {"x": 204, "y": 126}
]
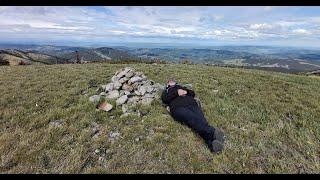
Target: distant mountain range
[
  {"x": 282, "y": 59},
  {"x": 35, "y": 54}
]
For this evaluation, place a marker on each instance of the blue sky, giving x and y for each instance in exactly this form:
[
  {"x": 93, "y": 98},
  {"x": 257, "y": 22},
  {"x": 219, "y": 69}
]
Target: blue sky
[{"x": 261, "y": 25}]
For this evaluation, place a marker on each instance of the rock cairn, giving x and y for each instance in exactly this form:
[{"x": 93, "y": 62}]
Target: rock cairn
[{"x": 128, "y": 88}]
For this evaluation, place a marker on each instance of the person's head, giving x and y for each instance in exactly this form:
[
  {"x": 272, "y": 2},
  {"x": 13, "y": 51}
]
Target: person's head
[{"x": 171, "y": 82}]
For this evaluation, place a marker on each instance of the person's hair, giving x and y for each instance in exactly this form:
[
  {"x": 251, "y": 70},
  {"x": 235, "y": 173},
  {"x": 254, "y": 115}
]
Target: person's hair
[{"x": 171, "y": 79}]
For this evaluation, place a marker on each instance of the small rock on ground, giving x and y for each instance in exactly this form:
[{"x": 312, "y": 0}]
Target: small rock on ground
[
  {"x": 105, "y": 106},
  {"x": 94, "y": 98}
]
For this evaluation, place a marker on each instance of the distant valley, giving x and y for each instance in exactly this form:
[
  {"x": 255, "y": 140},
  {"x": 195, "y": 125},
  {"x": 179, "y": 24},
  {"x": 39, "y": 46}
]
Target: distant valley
[{"x": 259, "y": 57}]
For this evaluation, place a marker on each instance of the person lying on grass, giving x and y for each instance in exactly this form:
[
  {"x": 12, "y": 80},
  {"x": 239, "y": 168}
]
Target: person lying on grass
[{"x": 184, "y": 109}]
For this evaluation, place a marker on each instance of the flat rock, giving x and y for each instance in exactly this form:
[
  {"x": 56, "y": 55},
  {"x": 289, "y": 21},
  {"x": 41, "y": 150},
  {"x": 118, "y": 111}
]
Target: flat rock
[
  {"x": 127, "y": 92},
  {"x": 135, "y": 86},
  {"x": 137, "y": 93},
  {"x": 122, "y": 100},
  {"x": 113, "y": 94},
  {"x": 135, "y": 79},
  {"x": 123, "y": 80},
  {"x": 117, "y": 85},
  {"x": 142, "y": 90},
  {"x": 105, "y": 106},
  {"x": 133, "y": 100},
  {"x": 94, "y": 98},
  {"x": 146, "y": 82},
  {"x": 130, "y": 74},
  {"x": 108, "y": 87},
  {"x": 149, "y": 89},
  {"x": 127, "y": 87},
  {"x": 123, "y": 73},
  {"x": 114, "y": 78}
]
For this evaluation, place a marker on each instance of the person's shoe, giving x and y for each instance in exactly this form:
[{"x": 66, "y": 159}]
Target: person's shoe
[
  {"x": 218, "y": 135},
  {"x": 215, "y": 146}
]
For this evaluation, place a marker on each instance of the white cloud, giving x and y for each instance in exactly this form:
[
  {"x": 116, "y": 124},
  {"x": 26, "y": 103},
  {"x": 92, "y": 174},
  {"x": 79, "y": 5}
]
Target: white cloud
[
  {"x": 170, "y": 22},
  {"x": 301, "y": 31},
  {"x": 260, "y": 26},
  {"x": 287, "y": 24}
]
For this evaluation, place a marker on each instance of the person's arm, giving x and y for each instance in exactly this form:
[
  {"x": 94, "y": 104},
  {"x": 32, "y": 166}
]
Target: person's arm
[
  {"x": 167, "y": 97},
  {"x": 189, "y": 91}
]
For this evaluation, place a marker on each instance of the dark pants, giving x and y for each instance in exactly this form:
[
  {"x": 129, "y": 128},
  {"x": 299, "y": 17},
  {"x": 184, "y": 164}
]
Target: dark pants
[{"x": 193, "y": 117}]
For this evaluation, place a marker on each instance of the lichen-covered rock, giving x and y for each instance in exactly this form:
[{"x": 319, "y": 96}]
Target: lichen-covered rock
[
  {"x": 113, "y": 94},
  {"x": 142, "y": 90},
  {"x": 127, "y": 87},
  {"x": 149, "y": 88},
  {"x": 121, "y": 100},
  {"x": 123, "y": 73},
  {"x": 114, "y": 78},
  {"x": 108, "y": 87},
  {"x": 135, "y": 79},
  {"x": 133, "y": 100},
  {"x": 126, "y": 92},
  {"x": 130, "y": 74},
  {"x": 117, "y": 85},
  {"x": 123, "y": 80},
  {"x": 121, "y": 92},
  {"x": 137, "y": 93}
]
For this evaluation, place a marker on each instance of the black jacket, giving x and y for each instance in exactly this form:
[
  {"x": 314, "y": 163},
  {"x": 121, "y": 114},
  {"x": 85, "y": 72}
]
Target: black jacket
[{"x": 171, "y": 97}]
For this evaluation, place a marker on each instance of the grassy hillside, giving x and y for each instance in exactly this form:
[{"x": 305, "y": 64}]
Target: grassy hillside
[
  {"x": 271, "y": 121},
  {"x": 18, "y": 57}
]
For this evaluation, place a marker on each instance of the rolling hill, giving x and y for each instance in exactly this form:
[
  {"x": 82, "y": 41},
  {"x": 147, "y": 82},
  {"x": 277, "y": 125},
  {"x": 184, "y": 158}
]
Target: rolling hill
[
  {"x": 98, "y": 54},
  {"x": 19, "y": 57},
  {"x": 282, "y": 59},
  {"x": 60, "y": 55}
]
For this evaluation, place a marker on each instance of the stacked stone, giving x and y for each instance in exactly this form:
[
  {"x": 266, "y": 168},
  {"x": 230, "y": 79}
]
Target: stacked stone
[{"x": 128, "y": 87}]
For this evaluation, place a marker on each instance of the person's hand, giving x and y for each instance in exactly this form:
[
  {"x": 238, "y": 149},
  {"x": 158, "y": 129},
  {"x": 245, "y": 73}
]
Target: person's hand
[{"x": 182, "y": 92}]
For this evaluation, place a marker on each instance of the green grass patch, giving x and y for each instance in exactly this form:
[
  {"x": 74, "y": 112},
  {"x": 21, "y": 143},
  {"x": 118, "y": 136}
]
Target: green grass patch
[{"x": 271, "y": 121}]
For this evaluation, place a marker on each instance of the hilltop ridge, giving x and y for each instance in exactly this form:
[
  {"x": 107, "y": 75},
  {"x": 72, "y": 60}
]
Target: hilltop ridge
[
  {"x": 271, "y": 122},
  {"x": 282, "y": 59}
]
